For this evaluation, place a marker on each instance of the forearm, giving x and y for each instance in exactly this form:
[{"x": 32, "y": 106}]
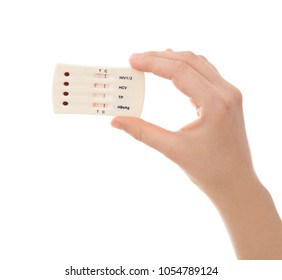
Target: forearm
[{"x": 252, "y": 221}]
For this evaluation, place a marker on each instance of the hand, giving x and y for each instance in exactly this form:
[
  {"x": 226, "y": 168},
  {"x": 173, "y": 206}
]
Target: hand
[{"x": 213, "y": 150}]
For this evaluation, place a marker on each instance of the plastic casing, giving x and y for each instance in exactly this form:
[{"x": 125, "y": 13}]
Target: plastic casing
[{"x": 98, "y": 90}]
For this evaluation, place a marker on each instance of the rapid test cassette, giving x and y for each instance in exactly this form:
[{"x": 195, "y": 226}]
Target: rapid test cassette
[{"x": 98, "y": 90}]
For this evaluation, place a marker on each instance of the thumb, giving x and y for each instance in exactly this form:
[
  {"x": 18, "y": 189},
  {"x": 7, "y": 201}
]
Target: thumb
[{"x": 148, "y": 133}]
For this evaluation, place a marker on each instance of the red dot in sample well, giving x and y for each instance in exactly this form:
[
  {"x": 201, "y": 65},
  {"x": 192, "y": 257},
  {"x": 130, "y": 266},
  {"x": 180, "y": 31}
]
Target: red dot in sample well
[
  {"x": 66, "y": 83},
  {"x": 65, "y": 93},
  {"x": 66, "y": 74},
  {"x": 65, "y": 103}
]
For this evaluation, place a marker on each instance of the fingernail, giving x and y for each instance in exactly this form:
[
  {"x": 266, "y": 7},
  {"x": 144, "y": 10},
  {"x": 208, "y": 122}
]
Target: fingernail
[
  {"x": 116, "y": 124},
  {"x": 135, "y": 56}
]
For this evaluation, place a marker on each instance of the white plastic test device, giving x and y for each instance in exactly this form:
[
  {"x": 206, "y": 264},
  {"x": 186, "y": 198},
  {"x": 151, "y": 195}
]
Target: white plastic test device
[{"x": 98, "y": 90}]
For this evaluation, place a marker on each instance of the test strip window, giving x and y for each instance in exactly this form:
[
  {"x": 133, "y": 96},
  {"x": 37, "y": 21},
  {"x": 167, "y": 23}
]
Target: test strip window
[{"x": 98, "y": 90}]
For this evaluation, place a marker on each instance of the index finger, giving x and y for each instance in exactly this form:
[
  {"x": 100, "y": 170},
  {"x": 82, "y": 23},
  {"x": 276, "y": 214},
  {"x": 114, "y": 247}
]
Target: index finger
[{"x": 185, "y": 78}]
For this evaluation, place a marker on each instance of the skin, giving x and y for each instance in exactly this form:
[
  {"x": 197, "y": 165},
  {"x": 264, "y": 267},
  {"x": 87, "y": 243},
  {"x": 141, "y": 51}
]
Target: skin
[{"x": 213, "y": 150}]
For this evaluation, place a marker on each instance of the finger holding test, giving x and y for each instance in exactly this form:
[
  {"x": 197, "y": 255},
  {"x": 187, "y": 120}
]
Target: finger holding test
[
  {"x": 186, "y": 78},
  {"x": 147, "y": 133},
  {"x": 197, "y": 62},
  {"x": 203, "y": 67}
]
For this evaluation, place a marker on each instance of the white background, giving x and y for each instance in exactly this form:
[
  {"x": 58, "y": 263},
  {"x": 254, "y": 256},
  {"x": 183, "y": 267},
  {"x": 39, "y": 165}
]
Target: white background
[{"x": 75, "y": 191}]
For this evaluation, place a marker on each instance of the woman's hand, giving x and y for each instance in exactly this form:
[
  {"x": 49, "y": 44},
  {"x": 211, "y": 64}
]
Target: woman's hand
[{"x": 213, "y": 150}]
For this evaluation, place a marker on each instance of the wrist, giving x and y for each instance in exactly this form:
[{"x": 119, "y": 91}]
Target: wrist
[
  {"x": 251, "y": 219},
  {"x": 237, "y": 191}
]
